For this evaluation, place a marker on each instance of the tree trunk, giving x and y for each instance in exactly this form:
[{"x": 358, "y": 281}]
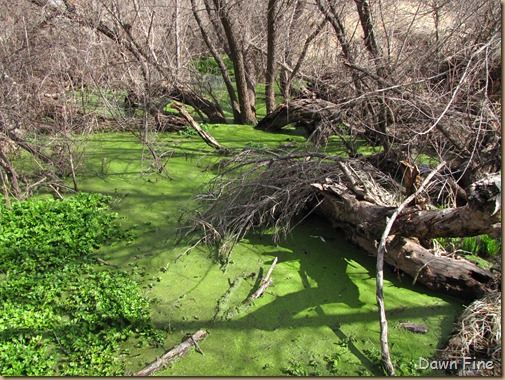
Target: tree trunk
[
  {"x": 237, "y": 55},
  {"x": 270, "y": 71},
  {"x": 364, "y": 222},
  {"x": 384, "y": 117},
  {"x": 220, "y": 63},
  {"x": 479, "y": 216},
  {"x": 330, "y": 13}
]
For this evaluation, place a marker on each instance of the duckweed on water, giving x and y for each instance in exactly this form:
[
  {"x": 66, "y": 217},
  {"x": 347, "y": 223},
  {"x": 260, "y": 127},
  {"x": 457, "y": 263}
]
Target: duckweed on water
[{"x": 318, "y": 318}]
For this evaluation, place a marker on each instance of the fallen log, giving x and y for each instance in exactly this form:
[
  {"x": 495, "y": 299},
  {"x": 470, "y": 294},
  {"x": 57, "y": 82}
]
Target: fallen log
[
  {"x": 363, "y": 222},
  {"x": 173, "y": 354},
  {"x": 414, "y": 327},
  {"x": 479, "y": 216},
  {"x": 454, "y": 276},
  {"x": 211, "y": 141},
  {"x": 305, "y": 112},
  {"x": 186, "y": 95}
]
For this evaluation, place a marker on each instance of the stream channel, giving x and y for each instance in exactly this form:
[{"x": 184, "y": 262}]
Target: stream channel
[{"x": 319, "y": 317}]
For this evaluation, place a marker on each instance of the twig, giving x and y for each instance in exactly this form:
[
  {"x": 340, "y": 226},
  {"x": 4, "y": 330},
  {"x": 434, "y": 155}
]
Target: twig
[
  {"x": 101, "y": 261},
  {"x": 420, "y": 269},
  {"x": 265, "y": 283},
  {"x": 189, "y": 249},
  {"x": 196, "y": 345},
  {"x": 386, "y": 358}
]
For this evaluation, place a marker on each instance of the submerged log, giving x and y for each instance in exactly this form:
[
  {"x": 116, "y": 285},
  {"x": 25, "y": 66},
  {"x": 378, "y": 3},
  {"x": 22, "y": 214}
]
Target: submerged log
[
  {"x": 174, "y": 353},
  {"x": 414, "y": 327}
]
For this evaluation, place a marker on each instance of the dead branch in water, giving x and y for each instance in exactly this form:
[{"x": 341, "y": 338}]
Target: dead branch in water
[
  {"x": 211, "y": 141},
  {"x": 265, "y": 283},
  {"x": 174, "y": 353},
  {"x": 381, "y": 251}
]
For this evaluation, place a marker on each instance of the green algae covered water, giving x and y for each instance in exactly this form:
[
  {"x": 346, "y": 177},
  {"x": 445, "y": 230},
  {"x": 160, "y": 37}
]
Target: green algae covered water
[{"x": 319, "y": 317}]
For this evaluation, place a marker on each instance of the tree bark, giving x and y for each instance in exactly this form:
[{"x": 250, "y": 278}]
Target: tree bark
[
  {"x": 386, "y": 357},
  {"x": 220, "y": 63},
  {"x": 237, "y": 55},
  {"x": 176, "y": 352},
  {"x": 270, "y": 71},
  {"x": 331, "y": 15},
  {"x": 365, "y": 221},
  {"x": 384, "y": 114},
  {"x": 479, "y": 216}
]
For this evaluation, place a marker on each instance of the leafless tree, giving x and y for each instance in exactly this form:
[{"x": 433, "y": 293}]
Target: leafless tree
[{"x": 42, "y": 77}]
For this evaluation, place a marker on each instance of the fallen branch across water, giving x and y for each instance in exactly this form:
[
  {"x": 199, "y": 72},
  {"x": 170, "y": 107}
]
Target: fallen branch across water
[
  {"x": 267, "y": 281},
  {"x": 211, "y": 141},
  {"x": 173, "y": 354}
]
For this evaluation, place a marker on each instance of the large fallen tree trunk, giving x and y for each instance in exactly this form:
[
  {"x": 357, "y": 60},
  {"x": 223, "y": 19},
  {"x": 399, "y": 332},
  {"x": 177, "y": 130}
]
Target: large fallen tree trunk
[
  {"x": 479, "y": 216},
  {"x": 364, "y": 223},
  {"x": 458, "y": 277},
  {"x": 274, "y": 191}
]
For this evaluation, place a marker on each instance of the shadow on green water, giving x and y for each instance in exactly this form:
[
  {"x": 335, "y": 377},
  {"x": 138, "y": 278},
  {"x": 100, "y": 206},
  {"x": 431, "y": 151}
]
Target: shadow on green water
[
  {"x": 323, "y": 288},
  {"x": 322, "y": 283}
]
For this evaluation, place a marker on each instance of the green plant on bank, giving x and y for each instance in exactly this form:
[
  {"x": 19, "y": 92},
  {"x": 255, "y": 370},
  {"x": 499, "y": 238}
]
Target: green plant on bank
[
  {"x": 295, "y": 368},
  {"x": 209, "y": 66},
  {"x": 330, "y": 365},
  {"x": 474, "y": 248},
  {"x": 190, "y": 132},
  {"x": 256, "y": 144},
  {"x": 62, "y": 315},
  {"x": 482, "y": 245},
  {"x": 40, "y": 235},
  {"x": 404, "y": 365}
]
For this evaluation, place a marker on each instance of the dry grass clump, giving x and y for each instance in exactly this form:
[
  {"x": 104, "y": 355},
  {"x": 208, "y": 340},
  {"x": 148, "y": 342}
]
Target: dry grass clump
[{"x": 479, "y": 334}]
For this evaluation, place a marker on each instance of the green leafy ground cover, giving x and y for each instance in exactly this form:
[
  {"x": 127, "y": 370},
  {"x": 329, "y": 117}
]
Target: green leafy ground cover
[
  {"x": 318, "y": 318},
  {"x": 61, "y": 315}
]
